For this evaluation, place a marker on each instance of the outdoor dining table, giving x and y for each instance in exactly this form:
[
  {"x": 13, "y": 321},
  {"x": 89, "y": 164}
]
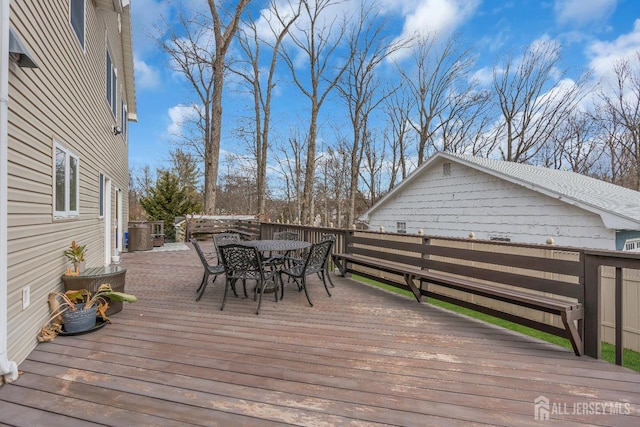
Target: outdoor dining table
[{"x": 277, "y": 245}]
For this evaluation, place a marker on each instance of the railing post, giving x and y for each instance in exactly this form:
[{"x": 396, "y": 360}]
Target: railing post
[
  {"x": 592, "y": 296},
  {"x": 619, "y": 317}
]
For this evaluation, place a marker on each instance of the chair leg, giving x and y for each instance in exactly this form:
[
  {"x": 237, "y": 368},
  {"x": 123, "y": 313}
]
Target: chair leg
[
  {"x": 203, "y": 286},
  {"x": 326, "y": 271},
  {"x": 226, "y": 288},
  {"x": 262, "y": 286},
  {"x": 202, "y": 282},
  {"x": 303, "y": 283},
  {"x": 233, "y": 287},
  {"x": 324, "y": 282},
  {"x": 281, "y": 285}
]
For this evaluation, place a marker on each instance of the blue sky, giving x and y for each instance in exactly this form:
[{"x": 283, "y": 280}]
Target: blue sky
[{"x": 593, "y": 35}]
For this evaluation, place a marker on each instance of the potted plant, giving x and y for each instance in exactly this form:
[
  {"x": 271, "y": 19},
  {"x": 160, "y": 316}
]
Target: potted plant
[
  {"x": 77, "y": 310},
  {"x": 75, "y": 254}
]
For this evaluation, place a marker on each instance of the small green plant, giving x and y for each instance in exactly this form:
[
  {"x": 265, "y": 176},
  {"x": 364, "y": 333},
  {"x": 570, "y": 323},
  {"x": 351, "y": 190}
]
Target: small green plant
[{"x": 76, "y": 252}]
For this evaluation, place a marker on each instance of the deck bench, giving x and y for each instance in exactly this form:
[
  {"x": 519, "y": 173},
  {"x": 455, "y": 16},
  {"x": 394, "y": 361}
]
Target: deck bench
[{"x": 419, "y": 278}]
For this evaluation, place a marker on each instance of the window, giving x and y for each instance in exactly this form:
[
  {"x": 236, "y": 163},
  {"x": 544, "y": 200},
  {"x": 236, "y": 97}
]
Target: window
[
  {"x": 123, "y": 119},
  {"x": 446, "y": 169},
  {"x": 101, "y": 196},
  {"x": 66, "y": 177},
  {"x": 112, "y": 85},
  {"x": 77, "y": 17},
  {"x": 401, "y": 227},
  {"x": 632, "y": 245}
]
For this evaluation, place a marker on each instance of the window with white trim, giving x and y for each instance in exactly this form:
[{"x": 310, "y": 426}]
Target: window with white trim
[
  {"x": 77, "y": 19},
  {"x": 401, "y": 227},
  {"x": 632, "y": 245},
  {"x": 66, "y": 175},
  {"x": 112, "y": 84}
]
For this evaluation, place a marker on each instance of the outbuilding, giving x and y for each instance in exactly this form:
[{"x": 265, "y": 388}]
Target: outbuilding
[{"x": 457, "y": 195}]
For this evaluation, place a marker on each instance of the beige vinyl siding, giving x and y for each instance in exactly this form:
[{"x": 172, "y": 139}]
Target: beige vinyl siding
[{"x": 64, "y": 99}]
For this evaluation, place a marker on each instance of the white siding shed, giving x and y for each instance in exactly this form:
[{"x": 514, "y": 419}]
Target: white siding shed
[{"x": 461, "y": 196}]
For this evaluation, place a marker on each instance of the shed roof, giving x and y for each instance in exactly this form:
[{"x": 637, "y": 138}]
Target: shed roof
[{"x": 618, "y": 207}]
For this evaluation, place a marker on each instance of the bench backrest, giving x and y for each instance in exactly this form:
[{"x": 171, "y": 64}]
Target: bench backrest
[{"x": 531, "y": 267}]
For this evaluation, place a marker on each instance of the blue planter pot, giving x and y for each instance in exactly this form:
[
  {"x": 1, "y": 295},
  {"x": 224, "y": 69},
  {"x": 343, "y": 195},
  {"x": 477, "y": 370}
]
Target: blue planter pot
[{"x": 79, "y": 320}]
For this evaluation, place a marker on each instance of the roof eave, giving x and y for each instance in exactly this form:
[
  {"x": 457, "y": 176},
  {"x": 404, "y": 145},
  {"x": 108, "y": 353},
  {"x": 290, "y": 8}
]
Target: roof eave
[{"x": 129, "y": 79}]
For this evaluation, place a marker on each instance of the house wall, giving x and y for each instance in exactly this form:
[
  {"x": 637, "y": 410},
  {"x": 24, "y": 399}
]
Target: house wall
[
  {"x": 64, "y": 99},
  {"x": 469, "y": 201}
]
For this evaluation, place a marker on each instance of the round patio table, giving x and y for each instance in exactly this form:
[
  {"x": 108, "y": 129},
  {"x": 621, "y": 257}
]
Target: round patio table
[{"x": 277, "y": 245}]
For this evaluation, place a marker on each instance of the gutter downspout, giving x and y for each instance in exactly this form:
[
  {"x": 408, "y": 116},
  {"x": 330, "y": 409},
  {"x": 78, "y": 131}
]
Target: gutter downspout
[{"x": 8, "y": 368}]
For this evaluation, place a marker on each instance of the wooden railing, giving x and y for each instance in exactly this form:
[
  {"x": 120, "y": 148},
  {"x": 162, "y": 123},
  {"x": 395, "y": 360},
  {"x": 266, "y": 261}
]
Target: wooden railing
[
  {"x": 200, "y": 227},
  {"x": 592, "y": 263},
  {"x": 595, "y": 261}
]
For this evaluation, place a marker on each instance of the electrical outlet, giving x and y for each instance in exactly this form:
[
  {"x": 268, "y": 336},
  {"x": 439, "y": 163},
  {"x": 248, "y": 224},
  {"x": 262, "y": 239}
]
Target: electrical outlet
[{"x": 26, "y": 297}]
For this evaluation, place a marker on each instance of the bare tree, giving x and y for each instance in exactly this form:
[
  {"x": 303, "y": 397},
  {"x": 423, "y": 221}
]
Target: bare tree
[
  {"x": 397, "y": 108},
  {"x": 533, "y": 100},
  {"x": 250, "y": 69},
  {"x": 620, "y": 112},
  {"x": 319, "y": 41},
  {"x": 371, "y": 172},
  {"x": 464, "y": 125},
  {"x": 224, "y": 34},
  {"x": 360, "y": 86},
  {"x": 144, "y": 181},
  {"x": 237, "y": 187},
  {"x": 191, "y": 55},
  {"x": 290, "y": 159},
  {"x": 199, "y": 53},
  {"x": 575, "y": 145},
  {"x": 438, "y": 70},
  {"x": 337, "y": 179}
]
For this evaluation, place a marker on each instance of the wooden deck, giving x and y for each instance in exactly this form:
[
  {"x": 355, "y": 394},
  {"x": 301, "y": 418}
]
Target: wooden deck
[{"x": 361, "y": 357}]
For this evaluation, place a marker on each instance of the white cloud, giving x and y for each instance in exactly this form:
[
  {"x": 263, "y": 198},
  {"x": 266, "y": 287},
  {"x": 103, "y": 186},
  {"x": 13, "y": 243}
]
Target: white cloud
[
  {"x": 604, "y": 54},
  {"x": 484, "y": 76},
  {"x": 147, "y": 77},
  {"x": 581, "y": 12},
  {"x": 426, "y": 18},
  {"x": 181, "y": 115},
  {"x": 438, "y": 16}
]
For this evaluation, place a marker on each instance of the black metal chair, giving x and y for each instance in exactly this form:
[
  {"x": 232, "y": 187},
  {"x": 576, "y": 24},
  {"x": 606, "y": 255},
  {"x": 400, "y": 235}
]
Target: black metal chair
[
  {"x": 331, "y": 237},
  {"x": 314, "y": 263},
  {"x": 226, "y": 238},
  {"x": 244, "y": 263},
  {"x": 209, "y": 269}
]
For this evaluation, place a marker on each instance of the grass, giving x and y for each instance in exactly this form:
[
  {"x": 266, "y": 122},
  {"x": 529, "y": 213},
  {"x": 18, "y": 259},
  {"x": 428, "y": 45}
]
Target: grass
[{"x": 631, "y": 359}]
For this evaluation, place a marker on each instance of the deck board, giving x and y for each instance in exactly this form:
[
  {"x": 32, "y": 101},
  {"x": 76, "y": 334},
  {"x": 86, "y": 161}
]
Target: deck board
[{"x": 361, "y": 357}]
